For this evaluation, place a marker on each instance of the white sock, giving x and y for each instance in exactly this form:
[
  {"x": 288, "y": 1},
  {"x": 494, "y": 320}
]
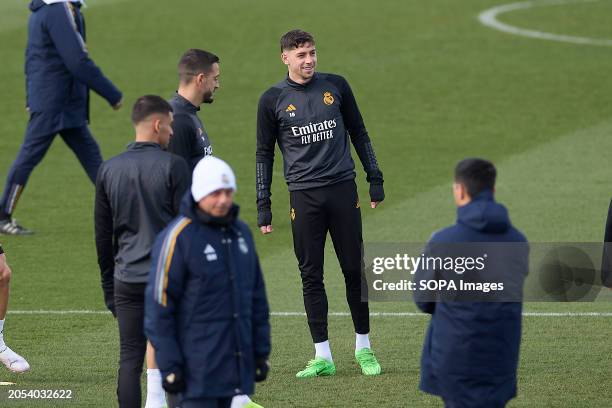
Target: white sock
[
  {"x": 156, "y": 397},
  {"x": 362, "y": 341},
  {"x": 240, "y": 401},
  {"x": 2, "y": 345},
  {"x": 322, "y": 350}
]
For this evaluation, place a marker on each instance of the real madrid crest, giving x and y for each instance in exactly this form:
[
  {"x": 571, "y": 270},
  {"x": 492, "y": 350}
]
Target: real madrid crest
[{"x": 328, "y": 98}]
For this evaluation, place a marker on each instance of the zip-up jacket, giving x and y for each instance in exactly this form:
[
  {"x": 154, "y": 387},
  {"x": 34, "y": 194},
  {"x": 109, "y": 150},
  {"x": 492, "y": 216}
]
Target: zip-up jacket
[
  {"x": 206, "y": 310},
  {"x": 189, "y": 139},
  {"x": 137, "y": 194},
  {"x": 59, "y": 72},
  {"x": 471, "y": 350},
  {"x": 310, "y": 123}
]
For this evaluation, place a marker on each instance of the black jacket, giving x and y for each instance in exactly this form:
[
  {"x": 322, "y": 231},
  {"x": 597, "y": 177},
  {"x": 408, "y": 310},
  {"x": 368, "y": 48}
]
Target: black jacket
[
  {"x": 189, "y": 139},
  {"x": 310, "y": 123},
  {"x": 137, "y": 194}
]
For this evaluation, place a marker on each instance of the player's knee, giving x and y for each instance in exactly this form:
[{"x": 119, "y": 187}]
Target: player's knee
[{"x": 5, "y": 277}]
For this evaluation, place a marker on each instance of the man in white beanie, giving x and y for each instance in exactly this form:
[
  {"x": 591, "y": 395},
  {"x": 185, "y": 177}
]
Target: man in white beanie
[{"x": 206, "y": 311}]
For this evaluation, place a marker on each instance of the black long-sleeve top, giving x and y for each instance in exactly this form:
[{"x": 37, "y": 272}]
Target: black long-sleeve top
[{"x": 310, "y": 123}]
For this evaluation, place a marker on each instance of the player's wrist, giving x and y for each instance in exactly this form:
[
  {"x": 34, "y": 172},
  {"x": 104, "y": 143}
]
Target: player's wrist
[{"x": 264, "y": 216}]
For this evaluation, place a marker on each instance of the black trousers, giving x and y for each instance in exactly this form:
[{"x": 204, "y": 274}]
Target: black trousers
[
  {"x": 313, "y": 213},
  {"x": 129, "y": 304}
]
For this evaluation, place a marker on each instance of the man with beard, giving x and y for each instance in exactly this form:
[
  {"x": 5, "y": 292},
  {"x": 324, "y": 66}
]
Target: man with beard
[{"x": 198, "y": 80}]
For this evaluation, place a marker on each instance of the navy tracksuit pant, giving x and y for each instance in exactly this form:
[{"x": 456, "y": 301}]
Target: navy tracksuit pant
[{"x": 40, "y": 133}]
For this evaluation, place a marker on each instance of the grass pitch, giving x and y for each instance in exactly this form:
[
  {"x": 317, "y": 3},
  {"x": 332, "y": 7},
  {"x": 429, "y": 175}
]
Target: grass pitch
[{"x": 434, "y": 86}]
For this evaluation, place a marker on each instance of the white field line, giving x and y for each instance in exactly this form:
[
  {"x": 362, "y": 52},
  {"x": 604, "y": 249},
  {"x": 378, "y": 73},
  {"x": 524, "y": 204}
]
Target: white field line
[
  {"x": 489, "y": 19},
  {"x": 333, "y": 314}
]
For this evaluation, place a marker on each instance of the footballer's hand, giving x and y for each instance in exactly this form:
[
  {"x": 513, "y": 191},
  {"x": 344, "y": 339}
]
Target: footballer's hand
[
  {"x": 118, "y": 105},
  {"x": 266, "y": 229},
  {"x": 264, "y": 219},
  {"x": 109, "y": 301},
  {"x": 377, "y": 194},
  {"x": 262, "y": 366},
  {"x": 174, "y": 383}
]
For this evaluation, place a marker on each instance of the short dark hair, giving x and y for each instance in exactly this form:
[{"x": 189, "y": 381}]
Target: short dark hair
[
  {"x": 295, "y": 39},
  {"x": 195, "y": 62},
  {"x": 476, "y": 174},
  {"x": 148, "y": 105}
]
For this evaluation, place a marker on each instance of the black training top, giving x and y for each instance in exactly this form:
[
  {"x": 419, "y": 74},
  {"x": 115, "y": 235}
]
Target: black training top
[
  {"x": 1, "y": 250},
  {"x": 137, "y": 194},
  {"x": 310, "y": 122},
  {"x": 189, "y": 139}
]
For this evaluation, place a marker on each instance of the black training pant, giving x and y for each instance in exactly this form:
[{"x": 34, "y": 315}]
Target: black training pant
[
  {"x": 314, "y": 212},
  {"x": 129, "y": 305}
]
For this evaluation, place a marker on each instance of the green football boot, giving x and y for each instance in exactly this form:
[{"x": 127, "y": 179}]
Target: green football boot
[
  {"x": 252, "y": 405},
  {"x": 367, "y": 361},
  {"x": 318, "y": 367}
]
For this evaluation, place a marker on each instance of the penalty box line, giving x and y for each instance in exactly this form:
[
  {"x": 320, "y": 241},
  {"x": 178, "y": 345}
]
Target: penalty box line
[{"x": 332, "y": 314}]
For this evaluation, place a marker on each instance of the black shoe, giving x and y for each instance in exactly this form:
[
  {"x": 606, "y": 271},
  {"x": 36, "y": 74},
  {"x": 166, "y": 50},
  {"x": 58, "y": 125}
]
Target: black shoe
[{"x": 10, "y": 227}]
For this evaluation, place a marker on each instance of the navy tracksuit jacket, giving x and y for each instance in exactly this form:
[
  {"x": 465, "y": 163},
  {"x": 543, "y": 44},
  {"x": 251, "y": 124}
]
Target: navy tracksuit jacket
[
  {"x": 59, "y": 74},
  {"x": 471, "y": 350},
  {"x": 206, "y": 311}
]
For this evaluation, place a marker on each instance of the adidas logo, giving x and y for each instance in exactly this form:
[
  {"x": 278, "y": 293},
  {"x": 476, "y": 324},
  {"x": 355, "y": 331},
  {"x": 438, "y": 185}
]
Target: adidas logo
[
  {"x": 290, "y": 108},
  {"x": 211, "y": 254}
]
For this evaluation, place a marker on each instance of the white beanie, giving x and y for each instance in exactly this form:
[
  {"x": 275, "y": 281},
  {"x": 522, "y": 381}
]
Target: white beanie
[{"x": 211, "y": 174}]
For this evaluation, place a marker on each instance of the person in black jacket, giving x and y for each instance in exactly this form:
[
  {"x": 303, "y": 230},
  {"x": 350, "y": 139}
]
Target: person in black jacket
[
  {"x": 207, "y": 313},
  {"x": 471, "y": 350},
  {"x": 59, "y": 74},
  {"x": 311, "y": 116},
  {"x": 137, "y": 194},
  {"x": 198, "y": 80},
  {"x": 8, "y": 357}
]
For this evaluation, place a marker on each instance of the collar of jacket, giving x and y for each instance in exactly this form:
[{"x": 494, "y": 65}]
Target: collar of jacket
[
  {"x": 143, "y": 146},
  {"x": 227, "y": 220},
  {"x": 295, "y": 85},
  {"x": 184, "y": 102}
]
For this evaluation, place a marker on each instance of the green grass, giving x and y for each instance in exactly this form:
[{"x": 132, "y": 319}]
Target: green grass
[
  {"x": 433, "y": 85},
  {"x": 566, "y": 19}
]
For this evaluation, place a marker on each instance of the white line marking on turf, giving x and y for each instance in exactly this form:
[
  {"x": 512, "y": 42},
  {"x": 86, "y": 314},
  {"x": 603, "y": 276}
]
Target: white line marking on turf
[
  {"x": 333, "y": 314},
  {"x": 489, "y": 19}
]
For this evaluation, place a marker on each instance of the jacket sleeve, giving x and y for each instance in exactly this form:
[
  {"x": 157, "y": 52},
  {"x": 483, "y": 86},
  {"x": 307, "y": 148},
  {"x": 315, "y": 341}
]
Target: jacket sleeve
[
  {"x": 103, "y": 219},
  {"x": 267, "y": 134},
  {"x": 357, "y": 131},
  {"x": 183, "y": 137},
  {"x": 180, "y": 180},
  {"x": 69, "y": 43},
  {"x": 261, "y": 315},
  {"x": 163, "y": 294},
  {"x": 425, "y": 299}
]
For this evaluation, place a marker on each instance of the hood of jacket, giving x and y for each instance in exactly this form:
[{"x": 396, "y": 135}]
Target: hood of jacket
[{"x": 484, "y": 214}]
